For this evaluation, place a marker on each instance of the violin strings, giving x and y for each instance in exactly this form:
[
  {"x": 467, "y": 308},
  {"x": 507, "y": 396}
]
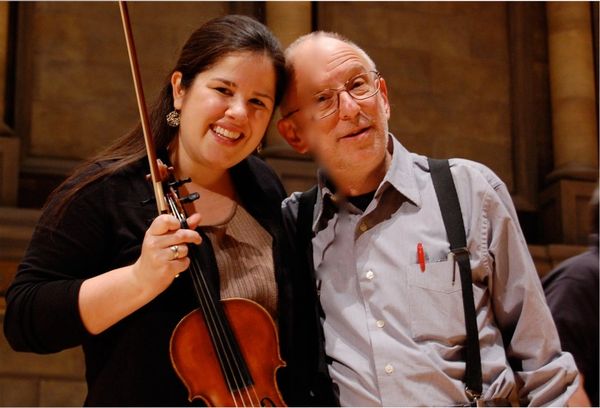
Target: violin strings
[
  {"x": 217, "y": 337},
  {"x": 255, "y": 395},
  {"x": 216, "y": 327},
  {"x": 226, "y": 343},
  {"x": 202, "y": 293},
  {"x": 208, "y": 314},
  {"x": 228, "y": 346}
]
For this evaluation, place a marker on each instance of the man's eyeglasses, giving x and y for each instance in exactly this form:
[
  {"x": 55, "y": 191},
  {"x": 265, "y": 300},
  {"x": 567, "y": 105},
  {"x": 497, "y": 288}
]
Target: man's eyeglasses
[{"x": 327, "y": 101}]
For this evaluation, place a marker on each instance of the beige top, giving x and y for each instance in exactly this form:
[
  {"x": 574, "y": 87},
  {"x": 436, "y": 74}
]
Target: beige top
[{"x": 244, "y": 253}]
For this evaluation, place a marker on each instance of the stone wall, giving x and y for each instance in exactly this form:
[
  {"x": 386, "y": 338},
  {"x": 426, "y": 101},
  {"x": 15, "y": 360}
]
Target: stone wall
[
  {"x": 28, "y": 379},
  {"x": 446, "y": 66}
]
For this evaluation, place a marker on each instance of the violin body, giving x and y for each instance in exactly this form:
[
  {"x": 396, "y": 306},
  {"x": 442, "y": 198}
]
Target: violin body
[{"x": 197, "y": 364}]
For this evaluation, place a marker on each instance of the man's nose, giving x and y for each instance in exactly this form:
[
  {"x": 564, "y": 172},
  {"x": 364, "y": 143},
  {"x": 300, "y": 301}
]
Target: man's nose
[{"x": 348, "y": 106}]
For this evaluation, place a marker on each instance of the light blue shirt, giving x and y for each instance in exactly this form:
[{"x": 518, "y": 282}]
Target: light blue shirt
[{"x": 395, "y": 334}]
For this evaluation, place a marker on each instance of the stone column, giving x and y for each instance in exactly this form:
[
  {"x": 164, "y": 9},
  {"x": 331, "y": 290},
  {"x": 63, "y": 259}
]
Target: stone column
[
  {"x": 572, "y": 86},
  {"x": 9, "y": 144},
  {"x": 574, "y": 123}
]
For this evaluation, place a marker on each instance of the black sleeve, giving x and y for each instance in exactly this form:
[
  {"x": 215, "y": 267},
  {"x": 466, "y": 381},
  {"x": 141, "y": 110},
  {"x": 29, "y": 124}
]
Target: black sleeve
[
  {"x": 42, "y": 311},
  {"x": 573, "y": 300}
]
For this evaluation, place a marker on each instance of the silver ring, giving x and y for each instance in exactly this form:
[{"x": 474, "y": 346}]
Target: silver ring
[{"x": 175, "y": 252}]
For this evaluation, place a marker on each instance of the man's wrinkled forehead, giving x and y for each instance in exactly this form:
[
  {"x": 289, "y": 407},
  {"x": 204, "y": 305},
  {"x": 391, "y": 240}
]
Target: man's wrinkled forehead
[{"x": 319, "y": 59}]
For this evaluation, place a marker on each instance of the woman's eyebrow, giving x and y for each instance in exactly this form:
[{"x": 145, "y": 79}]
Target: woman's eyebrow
[{"x": 234, "y": 85}]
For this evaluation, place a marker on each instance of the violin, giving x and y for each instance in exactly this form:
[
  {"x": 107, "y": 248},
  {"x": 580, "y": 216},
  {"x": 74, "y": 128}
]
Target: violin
[{"x": 226, "y": 352}]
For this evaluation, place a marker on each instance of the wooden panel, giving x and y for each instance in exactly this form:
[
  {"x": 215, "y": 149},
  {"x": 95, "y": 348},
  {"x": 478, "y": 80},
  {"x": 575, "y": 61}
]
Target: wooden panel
[
  {"x": 4, "y": 53},
  {"x": 565, "y": 212},
  {"x": 9, "y": 170}
]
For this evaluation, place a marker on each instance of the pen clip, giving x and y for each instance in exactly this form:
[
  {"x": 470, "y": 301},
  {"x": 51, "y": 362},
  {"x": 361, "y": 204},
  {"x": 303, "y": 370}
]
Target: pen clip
[
  {"x": 451, "y": 254},
  {"x": 454, "y": 253}
]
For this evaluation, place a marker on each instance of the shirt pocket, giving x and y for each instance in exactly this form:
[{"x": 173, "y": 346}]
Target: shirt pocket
[{"x": 435, "y": 303}]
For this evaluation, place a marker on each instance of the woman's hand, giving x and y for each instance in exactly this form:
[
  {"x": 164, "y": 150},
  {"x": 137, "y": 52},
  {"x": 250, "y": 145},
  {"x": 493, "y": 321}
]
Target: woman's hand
[
  {"x": 165, "y": 252},
  {"x": 106, "y": 299}
]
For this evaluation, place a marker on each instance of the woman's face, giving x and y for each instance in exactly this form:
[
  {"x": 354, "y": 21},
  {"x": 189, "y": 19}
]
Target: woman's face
[{"x": 224, "y": 113}]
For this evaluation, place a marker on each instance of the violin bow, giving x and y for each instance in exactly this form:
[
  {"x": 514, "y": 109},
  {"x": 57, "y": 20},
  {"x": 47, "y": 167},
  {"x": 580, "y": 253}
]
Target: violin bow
[{"x": 139, "y": 93}]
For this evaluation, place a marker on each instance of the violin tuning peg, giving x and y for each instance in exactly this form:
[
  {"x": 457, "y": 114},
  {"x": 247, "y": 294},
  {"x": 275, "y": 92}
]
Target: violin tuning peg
[
  {"x": 179, "y": 183},
  {"x": 190, "y": 198}
]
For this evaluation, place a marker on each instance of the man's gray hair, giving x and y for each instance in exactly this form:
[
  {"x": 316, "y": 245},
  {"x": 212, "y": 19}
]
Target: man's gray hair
[{"x": 316, "y": 34}]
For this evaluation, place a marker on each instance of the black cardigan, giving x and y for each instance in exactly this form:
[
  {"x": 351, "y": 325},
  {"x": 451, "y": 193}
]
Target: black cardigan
[{"x": 102, "y": 229}]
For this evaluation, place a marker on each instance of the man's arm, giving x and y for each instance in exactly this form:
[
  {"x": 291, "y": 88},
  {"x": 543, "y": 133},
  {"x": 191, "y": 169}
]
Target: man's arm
[{"x": 547, "y": 375}]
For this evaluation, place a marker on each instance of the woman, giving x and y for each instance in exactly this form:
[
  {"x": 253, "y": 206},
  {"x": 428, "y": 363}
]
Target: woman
[{"x": 101, "y": 270}]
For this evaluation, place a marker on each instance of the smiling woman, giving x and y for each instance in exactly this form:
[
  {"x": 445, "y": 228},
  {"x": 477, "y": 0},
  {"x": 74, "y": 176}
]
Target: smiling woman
[
  {"x": 100, "y": 273},
  {"x": 224, "y": 115}
]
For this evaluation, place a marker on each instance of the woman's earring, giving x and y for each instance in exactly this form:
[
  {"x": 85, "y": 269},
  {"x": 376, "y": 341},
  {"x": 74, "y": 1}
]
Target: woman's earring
[
  {"x": 259, "y": 148},
  {"x": 173, "y": 119}
]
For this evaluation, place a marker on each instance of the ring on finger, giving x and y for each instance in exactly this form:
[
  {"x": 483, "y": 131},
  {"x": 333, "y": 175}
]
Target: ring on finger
[{"x": 174, "y": 252}]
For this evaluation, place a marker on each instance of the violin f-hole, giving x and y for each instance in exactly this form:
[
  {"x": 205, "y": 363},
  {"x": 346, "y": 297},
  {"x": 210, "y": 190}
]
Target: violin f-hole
[{"x": 267, "y": 402}]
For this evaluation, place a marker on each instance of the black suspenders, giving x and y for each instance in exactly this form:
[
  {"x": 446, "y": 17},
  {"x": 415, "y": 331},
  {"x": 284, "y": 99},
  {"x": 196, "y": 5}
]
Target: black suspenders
[
  {"x": 450, "y": 208},
  {"x": 455, "y": 230}
]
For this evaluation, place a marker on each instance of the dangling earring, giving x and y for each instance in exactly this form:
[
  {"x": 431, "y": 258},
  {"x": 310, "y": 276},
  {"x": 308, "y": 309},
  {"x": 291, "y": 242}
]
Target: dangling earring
[
  {"x": 173, "y": 118},
  {"x": 259, "y": 148}
]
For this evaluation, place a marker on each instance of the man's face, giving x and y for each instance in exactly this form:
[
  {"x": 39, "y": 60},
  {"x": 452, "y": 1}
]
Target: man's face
[{"x": 353, "y": 139}]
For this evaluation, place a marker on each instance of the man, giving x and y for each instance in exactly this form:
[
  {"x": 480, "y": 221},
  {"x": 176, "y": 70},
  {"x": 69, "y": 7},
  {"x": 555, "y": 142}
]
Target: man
[
  {"x": 391, "y": 305},
  {"x": 572, "y": 293}
]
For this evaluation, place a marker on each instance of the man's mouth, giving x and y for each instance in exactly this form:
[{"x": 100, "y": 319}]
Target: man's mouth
[
  {"x": 228, "y": 134},
  {"x": 356, "y": 133}
]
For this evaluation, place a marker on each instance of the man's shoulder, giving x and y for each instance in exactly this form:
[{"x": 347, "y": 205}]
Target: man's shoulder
[{"x": 463, "y": 170}]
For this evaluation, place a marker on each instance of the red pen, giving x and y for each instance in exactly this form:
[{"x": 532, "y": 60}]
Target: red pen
[{"x": 421, "y": 256}]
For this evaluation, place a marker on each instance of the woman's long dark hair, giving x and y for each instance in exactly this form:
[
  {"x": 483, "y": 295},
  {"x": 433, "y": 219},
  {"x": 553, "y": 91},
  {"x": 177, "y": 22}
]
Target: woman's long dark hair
[{"x": 206, "y": 46}]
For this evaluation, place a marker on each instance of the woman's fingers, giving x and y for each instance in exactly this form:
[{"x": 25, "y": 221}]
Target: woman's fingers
[
  {"x": 194, "y": 220},
  {"x": 177, "y": 252},
  {"x": 163, "y": 224}
]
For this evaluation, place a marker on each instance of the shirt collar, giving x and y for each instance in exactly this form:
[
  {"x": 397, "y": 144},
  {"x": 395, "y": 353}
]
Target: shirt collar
[{"x": 400, "y": 176}]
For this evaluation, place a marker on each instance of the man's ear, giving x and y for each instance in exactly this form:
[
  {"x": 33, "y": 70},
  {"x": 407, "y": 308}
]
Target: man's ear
[
  {"x": 288, "y": 130},
  {"x": 384, "y": 93}
]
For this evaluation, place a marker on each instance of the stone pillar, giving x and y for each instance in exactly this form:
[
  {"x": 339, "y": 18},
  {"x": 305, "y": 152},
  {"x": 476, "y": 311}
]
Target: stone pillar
[
  {"x": 572, "y": 85},
  {"x": 9, "y": 145},
  {"x": 574, "y": 122}
]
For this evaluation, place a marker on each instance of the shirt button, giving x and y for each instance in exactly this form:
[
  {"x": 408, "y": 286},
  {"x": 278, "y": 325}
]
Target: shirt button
[
  {"x": 380, "y": 323},
  {"x": 370, "y": 275},
  {"x": 389, "y": 369},
  {"x": 363, "y": 227}
]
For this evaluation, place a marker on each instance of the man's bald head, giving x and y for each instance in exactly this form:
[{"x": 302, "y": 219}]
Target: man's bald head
[
  {"x": 296, "y": 53},
  {"x": 290, "y": 50}
]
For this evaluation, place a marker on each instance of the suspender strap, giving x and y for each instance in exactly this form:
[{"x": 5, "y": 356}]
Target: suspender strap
[
  {"x": 321, "y": 383},
  {"x": 306, "y": 204},
  {"x": 455, "y": 229}
]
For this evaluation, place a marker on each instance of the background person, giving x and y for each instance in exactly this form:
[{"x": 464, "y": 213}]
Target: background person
[{"x": 572, "y": 293}]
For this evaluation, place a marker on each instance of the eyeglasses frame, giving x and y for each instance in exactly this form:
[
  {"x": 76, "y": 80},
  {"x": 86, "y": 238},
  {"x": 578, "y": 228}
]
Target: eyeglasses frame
[{"x": 340, "y": 90}]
